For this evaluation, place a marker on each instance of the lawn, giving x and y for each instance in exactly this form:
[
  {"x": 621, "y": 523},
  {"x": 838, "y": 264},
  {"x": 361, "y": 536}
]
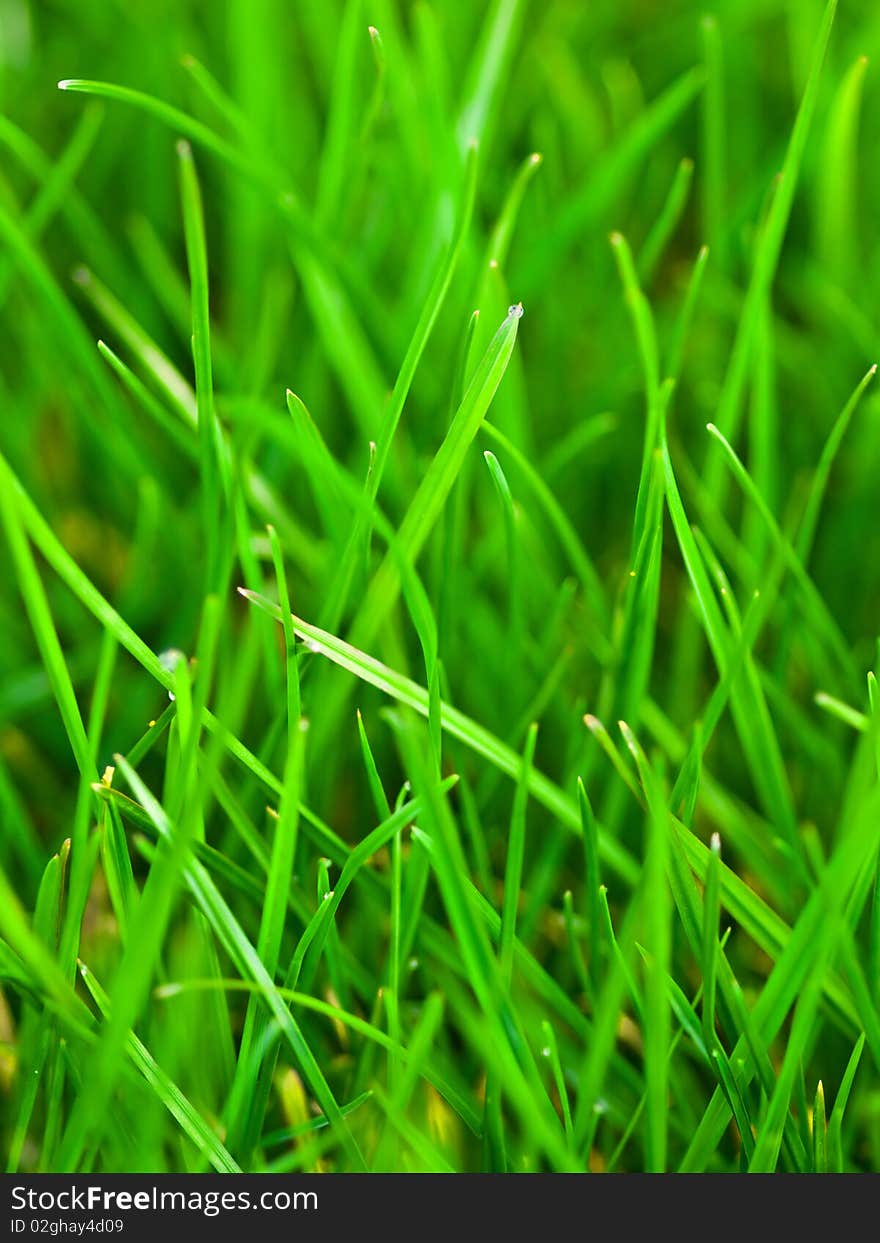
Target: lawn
[{"x": 440, "y": 581}]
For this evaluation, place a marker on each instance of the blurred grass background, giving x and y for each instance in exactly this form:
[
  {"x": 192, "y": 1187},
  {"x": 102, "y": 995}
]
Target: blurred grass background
[
  {"x": 649, "y": 119},
  {"x": 575, "y": 82}
]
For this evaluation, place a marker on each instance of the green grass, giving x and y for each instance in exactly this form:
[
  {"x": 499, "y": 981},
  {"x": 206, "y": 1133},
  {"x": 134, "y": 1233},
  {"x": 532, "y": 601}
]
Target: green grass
[{"x": 438, "y": 486}]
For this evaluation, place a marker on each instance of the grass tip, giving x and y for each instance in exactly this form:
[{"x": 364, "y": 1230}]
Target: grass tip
[
  {"x": 515, "y": 311},
  {"x": 295, "y": 404},
  {"x": 615, "y": 238},
  {"x": 66, "y": 83},
  {"x": 81, "y": 275},
  {"x": 536, "y": 158},
  {"x": 183, "y": 148},
  {"x": 187, "y": 60},
  {"x": 378, "y": 49},
  {"x": 715, "y": 843},
  {"x": 164, "y": 991}
]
